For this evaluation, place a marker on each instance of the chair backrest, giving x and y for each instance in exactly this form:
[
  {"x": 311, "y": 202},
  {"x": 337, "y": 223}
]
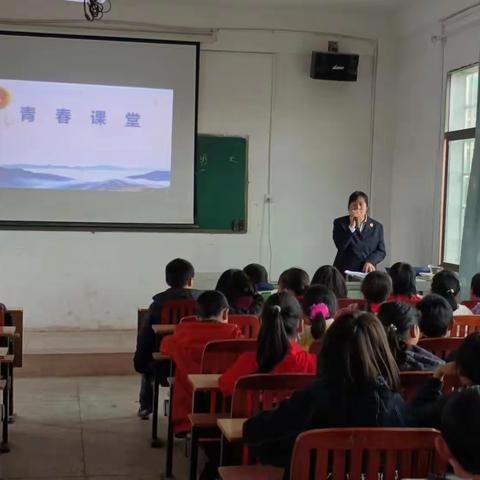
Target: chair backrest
[
  {"x": 346, "y": 302},
  {"x": 174, "y": 310},
  {"x": 219, "y": 355},
  {"x": 464, "y": 325},
  {"x": 411, "y": 382},
  {"x": 441, "y": 347},
  {"x": 258, "y": 392},
  {"x": 248, "y": 324},
  {"x": 189, "y": 319},
  {"x": 387, "y": 453},
  {"x": 471, "y": 303}
]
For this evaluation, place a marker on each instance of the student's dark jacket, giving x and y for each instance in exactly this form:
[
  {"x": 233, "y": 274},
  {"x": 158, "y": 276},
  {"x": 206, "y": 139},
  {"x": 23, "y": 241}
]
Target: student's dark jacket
[
  {"x": 417, "y": 358},
  {"x": 322, "y": 405},
  {"x": 356, "y": 249},
  {"x": 427, "y": 407},
  {"x": 146, "y": 337}
]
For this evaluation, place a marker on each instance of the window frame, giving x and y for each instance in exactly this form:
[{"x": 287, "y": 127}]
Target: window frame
[{"x": 450, "y": 136}]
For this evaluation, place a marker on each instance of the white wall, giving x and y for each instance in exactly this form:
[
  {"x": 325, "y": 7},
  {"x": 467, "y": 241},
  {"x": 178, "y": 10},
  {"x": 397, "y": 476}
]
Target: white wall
[
  {"x": 422, "y": 66},
  {"x": 253, "y": 83}
]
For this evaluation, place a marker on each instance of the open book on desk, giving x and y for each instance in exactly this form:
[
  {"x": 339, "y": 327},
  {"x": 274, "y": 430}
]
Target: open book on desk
[{"x": 357, "y": 275}]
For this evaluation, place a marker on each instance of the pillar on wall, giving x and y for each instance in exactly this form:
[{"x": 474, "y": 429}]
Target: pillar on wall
[{"x": 470, "y": 257}]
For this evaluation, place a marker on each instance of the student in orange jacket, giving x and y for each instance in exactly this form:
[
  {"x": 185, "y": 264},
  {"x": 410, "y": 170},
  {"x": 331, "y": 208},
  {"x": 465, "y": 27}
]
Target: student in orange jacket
[
  {"x": 186, "y": 346},
  {"x": 277, "y": 350}
]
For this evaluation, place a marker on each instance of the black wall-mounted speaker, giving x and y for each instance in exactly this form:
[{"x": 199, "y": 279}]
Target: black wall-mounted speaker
[{"x": 340, "y": 67}]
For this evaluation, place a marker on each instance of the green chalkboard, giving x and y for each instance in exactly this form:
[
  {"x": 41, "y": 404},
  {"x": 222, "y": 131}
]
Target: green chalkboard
[{"x": 221, "y": 183}]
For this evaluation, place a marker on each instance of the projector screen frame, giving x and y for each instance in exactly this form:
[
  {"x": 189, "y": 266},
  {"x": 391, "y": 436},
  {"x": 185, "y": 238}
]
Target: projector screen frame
[{"x": 114, "y": 226}]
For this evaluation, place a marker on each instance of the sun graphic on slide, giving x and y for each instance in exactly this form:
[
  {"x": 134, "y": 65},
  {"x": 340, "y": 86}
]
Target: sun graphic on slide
[{"x": 4, "y": 97}]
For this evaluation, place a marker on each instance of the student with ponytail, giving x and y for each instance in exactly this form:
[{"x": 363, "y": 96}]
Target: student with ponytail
[
  {"x": 277, "y": 351},
  {"x": 319, "y": 307},
  {"x": 446, "y": 284},
  {"x": 401, "y": 326}
]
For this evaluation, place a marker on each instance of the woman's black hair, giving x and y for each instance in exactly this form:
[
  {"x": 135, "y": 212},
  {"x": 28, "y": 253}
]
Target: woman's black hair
[
  {"x": 397, "y": 319},
  {"x": 234, "y": 283},
  {"x": 376, "y": 287},
  {"x": 281, "y": 315},
  {"x": 356, "y": 195},
  {"x": 460, "y": 427},
  {"x": 436, "y": 316},
  {"x": 295, "y": 280},
  {"x": 331, "y": 277},
  {"x": 355, "y": 353},
  {"x": 256, "y": 273},
  {"x": 315, "y": 295},
  {"x": 403, "y": 277},
  {"x": 475, "y": 285},
  {"x": 446, "y": 284},
  {"x": 468, "y": 358}
]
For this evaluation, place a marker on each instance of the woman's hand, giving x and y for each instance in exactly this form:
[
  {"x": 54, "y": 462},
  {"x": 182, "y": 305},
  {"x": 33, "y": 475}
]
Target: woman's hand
[
  {"x": 447, "y": 370},
  {"x": 368, "y": 267}
]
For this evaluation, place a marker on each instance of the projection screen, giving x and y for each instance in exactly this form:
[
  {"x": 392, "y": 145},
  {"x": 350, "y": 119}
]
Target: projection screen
[{"x": 97, "y": 130}]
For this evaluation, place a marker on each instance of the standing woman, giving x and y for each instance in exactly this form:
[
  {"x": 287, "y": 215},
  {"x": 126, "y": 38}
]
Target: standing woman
[{"x": 358, "y": 238}]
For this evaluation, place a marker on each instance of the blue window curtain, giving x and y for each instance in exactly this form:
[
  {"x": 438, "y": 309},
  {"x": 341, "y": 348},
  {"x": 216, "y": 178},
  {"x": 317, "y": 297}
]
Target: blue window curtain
[{"x": 470, "y": 256}]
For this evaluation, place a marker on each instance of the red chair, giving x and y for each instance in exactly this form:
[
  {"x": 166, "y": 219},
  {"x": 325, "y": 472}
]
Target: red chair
[
  {"x": 441, "y": 347},
  {"x": 346, "y": 302},
  {"x": 464, "y": 325},
  {"x": 174, "y": 310},
  {"x": 248, "y": 324},
  {"x": 412, "y": 382},
  {"x": 217, "y": 357},
  {"x": 371, "y": 453},
  {"x": 471, "y": 303}
]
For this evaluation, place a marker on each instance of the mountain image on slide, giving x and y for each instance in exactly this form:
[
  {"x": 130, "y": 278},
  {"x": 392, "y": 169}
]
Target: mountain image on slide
[
  {"x": 20, "y": 177},
  {"x": 92, "y": 177},
  {"x": 156, "y": 176}
]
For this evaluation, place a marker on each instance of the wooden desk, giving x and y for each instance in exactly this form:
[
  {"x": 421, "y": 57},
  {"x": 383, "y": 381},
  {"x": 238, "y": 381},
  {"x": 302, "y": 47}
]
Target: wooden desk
[
  {"x": 231, "y": 428},
  {"x": 163, "y": 329},
  {"x": 6, "y": 368},
  {"x": 204, "y": 382},
  {"x": 7, "y": 331}
]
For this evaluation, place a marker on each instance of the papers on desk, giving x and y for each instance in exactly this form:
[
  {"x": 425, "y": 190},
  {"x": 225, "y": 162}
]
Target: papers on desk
[{"x": 357, "y": 275}]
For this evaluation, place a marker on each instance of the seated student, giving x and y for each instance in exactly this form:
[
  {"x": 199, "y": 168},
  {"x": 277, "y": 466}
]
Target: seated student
[
  {"x": 376, "y": 288},
  {"x": 429, "y": 404},
  {"x": 319, "y": 307},
  {"x": 186, "y": 347},
  {"x": 436, "y": 316},
  {"x": 179, "y": 275},
  {"x": 475, "y": 293},
  {"x": 332, "y": 278},
  {"x": 460, "y": 427},
  {"x": 356, "y": 386},
  {"x": 242, "y": 297},
  {"x": 447, "y": 285},
  {"x": 258, "y": 275},
  {"x": 295, "y": 281},
  {"x": 401, "y": 325},
  {"x": 277, "y": 351},
  {"x": 404, "y": 287}
]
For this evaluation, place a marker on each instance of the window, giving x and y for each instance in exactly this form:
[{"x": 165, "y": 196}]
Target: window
[{"x": 459, "y": 144}]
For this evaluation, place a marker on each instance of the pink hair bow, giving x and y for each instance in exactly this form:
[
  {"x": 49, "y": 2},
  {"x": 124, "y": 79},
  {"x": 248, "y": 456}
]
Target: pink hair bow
[{"x": 317, "y": 308}]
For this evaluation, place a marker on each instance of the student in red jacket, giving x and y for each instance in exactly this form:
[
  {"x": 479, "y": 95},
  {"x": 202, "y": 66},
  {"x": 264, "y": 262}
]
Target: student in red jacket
[
  {"x": 186, "y": 347},
  {"x": 277, "y": 350}
]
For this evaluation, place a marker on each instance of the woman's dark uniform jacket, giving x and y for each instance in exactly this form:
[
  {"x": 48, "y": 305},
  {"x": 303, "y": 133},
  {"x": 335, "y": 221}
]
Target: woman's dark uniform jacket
[{"x": 357, "y": 248}]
